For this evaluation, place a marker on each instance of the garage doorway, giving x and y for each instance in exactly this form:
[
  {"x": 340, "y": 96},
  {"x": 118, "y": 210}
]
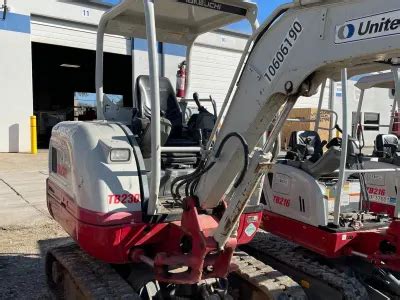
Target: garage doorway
[{"x": 64, "y": 84}]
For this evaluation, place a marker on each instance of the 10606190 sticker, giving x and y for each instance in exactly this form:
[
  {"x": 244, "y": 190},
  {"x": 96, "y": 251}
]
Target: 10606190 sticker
[{"x": 284, "y": 49}]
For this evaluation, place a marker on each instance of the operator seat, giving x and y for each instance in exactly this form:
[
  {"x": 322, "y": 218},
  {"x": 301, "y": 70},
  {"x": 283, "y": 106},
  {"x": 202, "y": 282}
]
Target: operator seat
[
  {"x": 386, "y": 146},
  {"x": 307, "y": 150},
  {"x": 305, "y": 145},
  {"x": 171, "y": 121},
  {"x": 169, "y": 105}
]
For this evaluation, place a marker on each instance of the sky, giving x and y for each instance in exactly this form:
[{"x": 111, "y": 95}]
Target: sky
[{"x": 265, "y": 8}]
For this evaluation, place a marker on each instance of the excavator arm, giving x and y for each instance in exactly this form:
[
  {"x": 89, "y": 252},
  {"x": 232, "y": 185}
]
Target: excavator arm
[{"x": 304, "y": 43}]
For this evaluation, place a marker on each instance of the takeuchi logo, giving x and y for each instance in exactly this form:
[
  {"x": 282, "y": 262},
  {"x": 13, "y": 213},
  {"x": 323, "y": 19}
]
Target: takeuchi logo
[
  {"x": 346, "y": 31},
  {"x": 205, "y": 3}
]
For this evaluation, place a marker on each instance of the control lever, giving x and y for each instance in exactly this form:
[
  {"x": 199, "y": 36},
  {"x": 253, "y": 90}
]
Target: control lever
[
  {"x": 337, "y": 127},
  {"x": 197, "y": 100}
]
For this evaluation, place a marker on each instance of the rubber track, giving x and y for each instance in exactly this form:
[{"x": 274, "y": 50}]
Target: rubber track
[
  {"x": 272, "y": 283},
  {"x": 268, "y": 245},
  {"x": 98, "y": 280},
  {"x": 95, "y": 279}
]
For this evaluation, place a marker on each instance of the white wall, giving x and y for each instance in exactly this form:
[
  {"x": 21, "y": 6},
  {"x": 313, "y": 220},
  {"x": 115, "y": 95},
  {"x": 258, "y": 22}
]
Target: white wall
[
  {"x": 15, "y": 82},
  {"x": 171, "y": 63},
  {"x": 215, "y": 59},
  {"x": 70, "y": 34},
  {"x": 71, "y": 24},
  {"x": 52, "y": 23},
  {"x": 375, "y": 101},
  {"x": 84, "y": 13}
]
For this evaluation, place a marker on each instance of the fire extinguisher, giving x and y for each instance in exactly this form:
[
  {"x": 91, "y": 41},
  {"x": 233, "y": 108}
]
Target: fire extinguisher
[{"x": 181, "y": 80}]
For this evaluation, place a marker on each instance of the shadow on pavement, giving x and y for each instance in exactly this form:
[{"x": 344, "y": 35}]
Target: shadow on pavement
[{"x": 22, "y": 275}]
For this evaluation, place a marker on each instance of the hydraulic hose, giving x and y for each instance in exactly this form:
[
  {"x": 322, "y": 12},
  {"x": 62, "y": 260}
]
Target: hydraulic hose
[
  {"x": 191, "y": 180},
  {"x": 183, "y": 178},
  {"x": 245, "y": 153}
]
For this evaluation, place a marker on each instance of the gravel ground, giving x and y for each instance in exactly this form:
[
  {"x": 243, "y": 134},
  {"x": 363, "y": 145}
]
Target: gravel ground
[
  {"x": 26, "y": 228},
  {"x": 22, "y": 250}
]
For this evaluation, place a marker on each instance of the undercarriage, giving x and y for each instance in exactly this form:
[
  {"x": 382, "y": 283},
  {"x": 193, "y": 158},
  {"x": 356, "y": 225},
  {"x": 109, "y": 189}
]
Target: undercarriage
[
  {"x": 73, "y": 274},
  {"x": 321, "y": 277}
]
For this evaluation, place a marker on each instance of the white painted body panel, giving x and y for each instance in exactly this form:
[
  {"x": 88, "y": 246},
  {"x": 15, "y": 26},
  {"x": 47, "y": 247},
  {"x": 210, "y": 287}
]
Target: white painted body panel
[
  {"x": 381, "y": 186},
  {"x": 90, "y": 176},
  {"x": 290, "y": 186}
]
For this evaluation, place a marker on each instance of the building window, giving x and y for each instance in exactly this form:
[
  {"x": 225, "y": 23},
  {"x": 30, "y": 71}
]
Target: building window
[{"x": 371, "y": 121}]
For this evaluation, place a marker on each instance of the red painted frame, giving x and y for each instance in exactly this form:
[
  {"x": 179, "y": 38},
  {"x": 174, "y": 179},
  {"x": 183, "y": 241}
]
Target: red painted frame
[
  {"x": 382, "y": 208},
  {"x": 122, "y": 237},
  {"x": 368, "y": 243}
]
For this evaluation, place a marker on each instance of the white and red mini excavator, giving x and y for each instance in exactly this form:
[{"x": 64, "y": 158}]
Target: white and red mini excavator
[
  {"x": 381, "y": 187},
  {"x": 158, "y": 206}
]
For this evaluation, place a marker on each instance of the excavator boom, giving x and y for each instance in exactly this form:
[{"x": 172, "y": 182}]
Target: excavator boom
[{"x": 292, "y": 53}]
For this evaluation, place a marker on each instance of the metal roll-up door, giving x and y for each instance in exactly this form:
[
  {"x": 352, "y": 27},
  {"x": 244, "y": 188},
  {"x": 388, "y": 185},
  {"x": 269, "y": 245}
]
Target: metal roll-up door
[
  {"x": 215, "y": 59},
  {"x": 76, "y": 35}
]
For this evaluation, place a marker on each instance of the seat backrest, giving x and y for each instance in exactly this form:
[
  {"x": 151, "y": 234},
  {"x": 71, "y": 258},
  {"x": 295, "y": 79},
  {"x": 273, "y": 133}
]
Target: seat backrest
[
  {"x": 302, "y": 138},
  {"x": 168, "y": 103},
  {"x": 382, "y": 140},
  {"x": 326, "y": 165},
  {"x": 307, "y": 142}
]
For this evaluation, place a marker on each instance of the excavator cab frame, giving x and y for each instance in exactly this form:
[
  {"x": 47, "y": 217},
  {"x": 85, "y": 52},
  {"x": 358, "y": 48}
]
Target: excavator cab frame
[
  {"x": 343, "y": 171},
  {"x": 388, "y": 80},
  {"x": 170, "y": 21},
  {"x": 382, "y": 80},
  {"x": 381, "y": 187}
]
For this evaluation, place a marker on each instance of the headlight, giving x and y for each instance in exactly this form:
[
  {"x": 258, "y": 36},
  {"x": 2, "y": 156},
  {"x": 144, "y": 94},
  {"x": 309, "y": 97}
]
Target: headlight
[{"x": 120, "y": 155}]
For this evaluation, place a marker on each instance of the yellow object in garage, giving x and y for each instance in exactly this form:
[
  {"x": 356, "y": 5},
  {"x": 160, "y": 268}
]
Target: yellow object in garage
[{"x": 33, "y": 135}]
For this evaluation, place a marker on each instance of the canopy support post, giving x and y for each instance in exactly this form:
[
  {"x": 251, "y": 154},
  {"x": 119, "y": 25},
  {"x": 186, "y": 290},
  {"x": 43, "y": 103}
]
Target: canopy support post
[
  {"x": 343, "y": 158},
  {"x": 357, "y": 122},
  {"x": 189, "y": 54},
  {"x": 100, "y": 54},
  {"x": 155, "y": 106},
  {"x": 321, "y": 100}
]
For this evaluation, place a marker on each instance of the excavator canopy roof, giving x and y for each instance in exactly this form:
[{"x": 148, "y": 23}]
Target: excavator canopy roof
[
  {"x": 178, "y": 21},
  {"x": 383, "y": 80}
]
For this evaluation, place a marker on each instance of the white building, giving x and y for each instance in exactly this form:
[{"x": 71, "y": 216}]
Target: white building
[
  {"x": 376, "y": 109},
  {"x": 47, "y": 56}
]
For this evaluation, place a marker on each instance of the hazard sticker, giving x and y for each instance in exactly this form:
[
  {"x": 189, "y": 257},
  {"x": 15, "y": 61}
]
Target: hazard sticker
[{"x": 250, "y": 229}]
